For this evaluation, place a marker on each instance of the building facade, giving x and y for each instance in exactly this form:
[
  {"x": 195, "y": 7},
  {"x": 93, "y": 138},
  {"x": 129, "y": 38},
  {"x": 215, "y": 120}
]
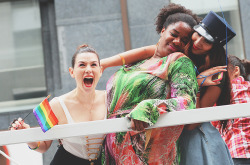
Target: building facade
[{"x": 39, "y": 38}]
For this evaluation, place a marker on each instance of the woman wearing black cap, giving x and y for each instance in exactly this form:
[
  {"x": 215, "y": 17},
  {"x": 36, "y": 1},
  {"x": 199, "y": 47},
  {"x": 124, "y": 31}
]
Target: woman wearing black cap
[{"x": 206, "y": 51}]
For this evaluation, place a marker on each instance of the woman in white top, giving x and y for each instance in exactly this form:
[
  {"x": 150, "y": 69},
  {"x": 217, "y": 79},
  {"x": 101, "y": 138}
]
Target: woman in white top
[{"x": 82, "y": 104}]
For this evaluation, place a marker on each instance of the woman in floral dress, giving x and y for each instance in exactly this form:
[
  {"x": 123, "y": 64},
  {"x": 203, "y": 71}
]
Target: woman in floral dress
[{"x": 142, "y": 92}]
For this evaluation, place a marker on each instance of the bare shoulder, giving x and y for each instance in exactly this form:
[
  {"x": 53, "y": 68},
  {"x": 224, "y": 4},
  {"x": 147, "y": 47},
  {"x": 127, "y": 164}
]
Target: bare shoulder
[
  {"x": 100, "y": 104},
  {"x": 56, "y": 107},
  {"x": 177, "y": 55},
  {"x": 54, "y": 103},
  {"x": 101, "y": 95}
]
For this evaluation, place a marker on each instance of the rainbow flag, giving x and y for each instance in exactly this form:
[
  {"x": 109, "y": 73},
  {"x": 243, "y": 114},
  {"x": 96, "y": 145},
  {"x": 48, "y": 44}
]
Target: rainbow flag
[{"x": 44, "y": 115}]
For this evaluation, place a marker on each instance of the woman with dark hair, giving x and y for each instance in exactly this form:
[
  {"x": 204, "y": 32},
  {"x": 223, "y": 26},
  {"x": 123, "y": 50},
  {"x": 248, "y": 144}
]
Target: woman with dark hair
[
  {"x": 246, "y": 64},
  {"x": 204, "y": 140},
  {"x": 145, "y": 90},
  {"x": 206, "y": 51},
  {"x": 82, "y": 104},
  {"x": 236, "y": 132},
  {"x": 238, "y": 67}
]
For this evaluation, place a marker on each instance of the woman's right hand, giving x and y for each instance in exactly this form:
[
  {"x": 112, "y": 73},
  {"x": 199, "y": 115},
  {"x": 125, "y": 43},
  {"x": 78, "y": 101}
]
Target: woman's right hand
[
  {"x": 207, "y": 74},
  {"x": 18, "y": 124},
  {"x": 137, "y": 125}
]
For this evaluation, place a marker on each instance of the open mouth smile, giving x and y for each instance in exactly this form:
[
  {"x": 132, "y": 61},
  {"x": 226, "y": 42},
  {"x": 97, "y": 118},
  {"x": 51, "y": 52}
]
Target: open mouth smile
[{"x": 88, "y": 81}]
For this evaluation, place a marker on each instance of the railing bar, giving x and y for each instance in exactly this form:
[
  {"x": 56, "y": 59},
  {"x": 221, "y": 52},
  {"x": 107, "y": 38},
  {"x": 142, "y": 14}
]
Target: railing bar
[{"x": 121, "y": 125}]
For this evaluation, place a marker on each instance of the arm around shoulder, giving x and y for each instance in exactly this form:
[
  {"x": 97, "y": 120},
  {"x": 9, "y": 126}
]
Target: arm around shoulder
[{"x": 128, "y": 57}]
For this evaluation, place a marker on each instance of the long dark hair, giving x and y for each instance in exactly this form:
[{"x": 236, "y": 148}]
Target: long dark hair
[
  {"x": 234, "y": 61},
  {"x": 215, "y": 57}
]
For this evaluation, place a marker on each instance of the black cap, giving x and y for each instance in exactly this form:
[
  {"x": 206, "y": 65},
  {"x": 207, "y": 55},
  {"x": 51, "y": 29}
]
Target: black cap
[{"x": 213, "y": 28}]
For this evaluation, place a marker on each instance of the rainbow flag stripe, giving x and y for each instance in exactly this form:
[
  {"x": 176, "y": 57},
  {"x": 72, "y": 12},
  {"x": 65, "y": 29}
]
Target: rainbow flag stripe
[{"x": 45, "y": 116}]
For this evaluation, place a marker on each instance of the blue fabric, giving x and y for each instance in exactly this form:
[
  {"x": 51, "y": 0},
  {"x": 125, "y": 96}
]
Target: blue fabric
[
  {"x": 203, "y": 146},
  {"x": 241, "y": 161}
]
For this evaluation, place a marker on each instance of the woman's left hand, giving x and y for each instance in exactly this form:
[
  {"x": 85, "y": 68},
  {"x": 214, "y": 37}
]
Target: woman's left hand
[
  {"x": 138, "y": 125},
  {"x": 207, "y": 74}
]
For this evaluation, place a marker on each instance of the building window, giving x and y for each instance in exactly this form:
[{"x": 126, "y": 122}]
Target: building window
[
  {"x": 231, "y": 12},
  {"x": 22, "y": 76}
]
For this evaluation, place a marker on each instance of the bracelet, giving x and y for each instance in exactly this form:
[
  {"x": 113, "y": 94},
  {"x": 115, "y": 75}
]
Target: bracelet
[
  {"x": 202, "y": 76},
  {"x": 38, "y": 144},
  {"x": 123, "y": 60}
]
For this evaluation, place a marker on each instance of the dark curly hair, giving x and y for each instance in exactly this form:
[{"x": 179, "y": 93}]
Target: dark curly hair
[
  {"x": 83, "y": 49},
  {"x": 173, "y": 13}
]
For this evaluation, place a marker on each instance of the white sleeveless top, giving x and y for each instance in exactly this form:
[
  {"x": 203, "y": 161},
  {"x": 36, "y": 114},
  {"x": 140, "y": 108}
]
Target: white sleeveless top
[{"x": 87, "y": 147}]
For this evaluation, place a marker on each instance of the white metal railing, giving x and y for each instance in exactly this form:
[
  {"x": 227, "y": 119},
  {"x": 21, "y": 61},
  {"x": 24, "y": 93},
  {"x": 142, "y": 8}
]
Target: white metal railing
[{"x": 121, "y": 125}]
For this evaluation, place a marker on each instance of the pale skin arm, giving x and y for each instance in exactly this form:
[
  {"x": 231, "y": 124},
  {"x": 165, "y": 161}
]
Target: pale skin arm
[
  {"x": 44, "y": 145},
  {"x": 130, "y": 57}
]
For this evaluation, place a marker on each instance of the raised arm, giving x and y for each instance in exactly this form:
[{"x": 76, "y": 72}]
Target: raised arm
[
  {"x": 212, "y": 93},
  {"x": 128, "y": 57}
]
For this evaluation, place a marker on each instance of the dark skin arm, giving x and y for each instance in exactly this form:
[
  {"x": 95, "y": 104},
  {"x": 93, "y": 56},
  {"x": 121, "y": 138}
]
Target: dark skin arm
[
  {"x": 130, "y": 57},
  {"x": 208, "y": 100},
  {"x": 212, "y": 94}
]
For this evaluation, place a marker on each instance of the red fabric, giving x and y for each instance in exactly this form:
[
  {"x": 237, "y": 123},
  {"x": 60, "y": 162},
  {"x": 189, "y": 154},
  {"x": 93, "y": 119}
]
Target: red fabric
[
  {"x": 237, "y": 132},
  {"x": 7, "y": 153}
]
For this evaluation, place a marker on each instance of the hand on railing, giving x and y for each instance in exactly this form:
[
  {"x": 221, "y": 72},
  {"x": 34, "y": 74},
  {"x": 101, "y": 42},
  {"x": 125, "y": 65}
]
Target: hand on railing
[{"x": 137, "y": 125}]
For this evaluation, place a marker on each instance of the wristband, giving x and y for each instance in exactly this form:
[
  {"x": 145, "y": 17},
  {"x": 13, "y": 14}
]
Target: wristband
[
  {"x": 38, "y": 145},
  {"x": 123, "y": 60}
]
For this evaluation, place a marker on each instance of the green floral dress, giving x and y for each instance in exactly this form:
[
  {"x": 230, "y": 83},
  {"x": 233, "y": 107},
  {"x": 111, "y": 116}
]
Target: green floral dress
[{"x": 144, "y": 94}]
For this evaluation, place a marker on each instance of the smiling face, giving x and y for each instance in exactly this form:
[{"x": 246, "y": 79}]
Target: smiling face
[
  {"x": 200, "y": 44},
  {"x": 174, "y": 38},
  {"x": 86, "y": 71}
]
